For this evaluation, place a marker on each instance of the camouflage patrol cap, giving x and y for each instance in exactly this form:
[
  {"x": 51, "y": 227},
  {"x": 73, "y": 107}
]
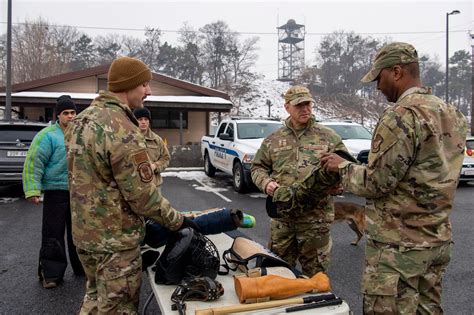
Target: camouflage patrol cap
[
  {"x": 391, "y": 54},
  {"x": 298, "y": 94},
  {"x": 283, "y": 197}
]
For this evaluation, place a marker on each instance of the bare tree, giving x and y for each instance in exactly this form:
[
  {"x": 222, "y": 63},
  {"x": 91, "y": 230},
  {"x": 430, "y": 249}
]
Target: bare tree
[
  {"x": 242, "y": 57},
  {"x": 215, "y": 38},
  {"x": 108, "y": 47},
  {"x": 151, "y": 47},
  {"x": 190, "y": 56},
  {"x": 131, "y": 46},
  {"x": 40, "y": 49}
]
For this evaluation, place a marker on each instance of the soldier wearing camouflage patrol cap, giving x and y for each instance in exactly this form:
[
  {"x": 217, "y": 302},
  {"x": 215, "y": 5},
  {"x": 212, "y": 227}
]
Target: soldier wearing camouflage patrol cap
[
  {"x": 112, "y": 187},
  {"x": 409, "y": 182},
  {"x": 286, "y": 158}
]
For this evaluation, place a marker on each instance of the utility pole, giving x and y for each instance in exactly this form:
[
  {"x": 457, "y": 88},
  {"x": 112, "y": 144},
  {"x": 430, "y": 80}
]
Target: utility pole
[
  {"x": 269, "y": 104},
  {"x": 472, "y": 84},
  {"x": 8, "y": 95},
  {"x": 454, "y": 12}
]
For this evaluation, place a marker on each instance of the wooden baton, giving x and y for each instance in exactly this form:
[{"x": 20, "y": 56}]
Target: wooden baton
[{"x": 258, "y": 306}]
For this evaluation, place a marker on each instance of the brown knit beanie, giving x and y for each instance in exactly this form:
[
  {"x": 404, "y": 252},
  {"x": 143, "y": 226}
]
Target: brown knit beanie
[{"x": 127, "y": 73}]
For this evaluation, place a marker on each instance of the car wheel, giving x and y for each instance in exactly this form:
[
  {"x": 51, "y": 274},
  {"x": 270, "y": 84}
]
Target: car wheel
[
  {"x": 209, "y": 169},
  {"x": 238, "y": 178}
]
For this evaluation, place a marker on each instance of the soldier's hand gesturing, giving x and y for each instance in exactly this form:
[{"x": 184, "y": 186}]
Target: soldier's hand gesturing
[{"x": 331, "y": 161}]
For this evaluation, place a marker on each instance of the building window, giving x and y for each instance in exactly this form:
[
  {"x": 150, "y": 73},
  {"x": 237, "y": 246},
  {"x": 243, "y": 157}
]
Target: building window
[{"x": 167, "y": 118}]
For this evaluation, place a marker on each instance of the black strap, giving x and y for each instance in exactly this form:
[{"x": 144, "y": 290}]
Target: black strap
[{"x": 312, "y": 305}]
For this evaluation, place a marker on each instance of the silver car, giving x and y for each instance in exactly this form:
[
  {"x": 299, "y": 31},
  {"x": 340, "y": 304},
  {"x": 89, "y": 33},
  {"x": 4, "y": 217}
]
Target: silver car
[
  {"x": 467, "y": 171},
  {"x": 15, "y": 139}
]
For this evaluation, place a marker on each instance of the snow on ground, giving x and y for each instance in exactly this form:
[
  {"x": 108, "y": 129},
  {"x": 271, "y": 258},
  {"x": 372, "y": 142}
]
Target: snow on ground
[{"x": 207, "y": 184}]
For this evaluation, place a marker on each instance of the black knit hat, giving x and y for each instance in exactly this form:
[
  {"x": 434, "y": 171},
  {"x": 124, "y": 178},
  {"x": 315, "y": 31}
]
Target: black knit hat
[
  {"x": 63, "y": 103},
  {"x": 142, "y": 112}
]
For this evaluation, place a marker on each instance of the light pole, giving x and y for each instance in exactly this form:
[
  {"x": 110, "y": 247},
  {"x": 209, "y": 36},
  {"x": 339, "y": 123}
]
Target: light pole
[
  {"x": 447, "y": 51},
  {"x": 7, "y": 115}
]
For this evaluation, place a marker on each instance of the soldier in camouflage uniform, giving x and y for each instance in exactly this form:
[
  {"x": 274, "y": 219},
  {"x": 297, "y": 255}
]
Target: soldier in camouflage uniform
[
  {"x": 112, "y": 186},
  {"x": 285, "y": 159},
  {"x": 409, "y": 182},
  {"x": 159, "y": 155}
]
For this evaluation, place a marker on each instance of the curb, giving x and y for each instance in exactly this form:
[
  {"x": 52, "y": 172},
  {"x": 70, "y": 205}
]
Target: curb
[{"x": 182, "y": 169}]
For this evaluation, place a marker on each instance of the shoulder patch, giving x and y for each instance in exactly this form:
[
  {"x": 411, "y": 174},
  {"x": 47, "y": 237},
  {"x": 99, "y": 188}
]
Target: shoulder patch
[
  {"x": 145, "y": 171},
  {"x": 376, "y": 143}
]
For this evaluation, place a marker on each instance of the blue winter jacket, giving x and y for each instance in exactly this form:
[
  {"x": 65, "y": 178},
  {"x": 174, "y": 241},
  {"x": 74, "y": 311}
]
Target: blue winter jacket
[{"x": 45, "y": 166}]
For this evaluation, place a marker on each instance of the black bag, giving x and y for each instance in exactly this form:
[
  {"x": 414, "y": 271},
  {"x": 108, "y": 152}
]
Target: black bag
[{"x": 187, "y": 253}]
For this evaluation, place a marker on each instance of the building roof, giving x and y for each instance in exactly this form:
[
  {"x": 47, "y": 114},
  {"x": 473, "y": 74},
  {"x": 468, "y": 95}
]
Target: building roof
[
  {"x": 36, "y": 98},
  {"x": 102, "y": 70}
]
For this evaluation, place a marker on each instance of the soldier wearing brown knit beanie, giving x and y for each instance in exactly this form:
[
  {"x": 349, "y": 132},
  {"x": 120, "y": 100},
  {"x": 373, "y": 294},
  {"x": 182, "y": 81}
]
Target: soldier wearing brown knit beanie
[
  {"x": 128, "y": 79},
  {"x": 114, "y": 188},
  {"x": 127, "y": 73}
]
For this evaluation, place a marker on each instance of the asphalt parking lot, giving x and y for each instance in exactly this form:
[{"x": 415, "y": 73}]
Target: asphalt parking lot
[{"x": 20, "y": 223}]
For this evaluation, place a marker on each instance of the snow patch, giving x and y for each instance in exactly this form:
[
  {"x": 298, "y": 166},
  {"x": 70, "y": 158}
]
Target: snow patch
[{"x": 200, "y": 176}]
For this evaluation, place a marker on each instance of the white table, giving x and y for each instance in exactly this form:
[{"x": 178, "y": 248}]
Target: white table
[{"x": 222, "y": 241}]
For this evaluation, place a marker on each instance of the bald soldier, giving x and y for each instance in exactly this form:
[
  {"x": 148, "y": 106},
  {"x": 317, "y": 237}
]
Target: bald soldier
[
  {"x": 112, "y": 187},
  {"x": 287, "y": 159},
  {"x": 409, "y": 182}
]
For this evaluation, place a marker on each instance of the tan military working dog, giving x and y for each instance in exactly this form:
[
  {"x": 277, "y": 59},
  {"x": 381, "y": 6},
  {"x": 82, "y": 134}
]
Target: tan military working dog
[{"x": 354, "y": 214}]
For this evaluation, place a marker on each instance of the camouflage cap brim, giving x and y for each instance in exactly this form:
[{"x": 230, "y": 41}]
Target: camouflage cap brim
[
  {"x": 302, "y": 99},
  {"x": 390, "y": 55},
  {"x": 371, "y": 75}
]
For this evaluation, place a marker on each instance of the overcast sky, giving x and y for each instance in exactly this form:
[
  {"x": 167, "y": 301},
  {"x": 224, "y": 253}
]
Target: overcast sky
[{"x": 422, "y": 23}]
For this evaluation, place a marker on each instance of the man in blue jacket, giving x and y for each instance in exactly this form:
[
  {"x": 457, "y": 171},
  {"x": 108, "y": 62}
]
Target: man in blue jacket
[{"x": 45, "y": 170}]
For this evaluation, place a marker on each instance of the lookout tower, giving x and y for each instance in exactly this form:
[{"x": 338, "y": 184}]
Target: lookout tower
[{"x": 290, "y": 50}]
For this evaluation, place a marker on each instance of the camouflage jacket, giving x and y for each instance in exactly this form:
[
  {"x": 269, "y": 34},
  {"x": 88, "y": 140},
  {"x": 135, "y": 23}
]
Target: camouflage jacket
[
  {"x": 412, "y": 172},
  {"x": 288, "y": 157},
  {"x": 158, "y": 153},
  {"x": 111, "y": 182}
]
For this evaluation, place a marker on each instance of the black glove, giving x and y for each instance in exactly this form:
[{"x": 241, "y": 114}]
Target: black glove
[{"x": 188, "y": 222}]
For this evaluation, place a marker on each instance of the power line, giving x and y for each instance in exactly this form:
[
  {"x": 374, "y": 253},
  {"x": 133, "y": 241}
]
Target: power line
[{"x": 243, "y": 33}]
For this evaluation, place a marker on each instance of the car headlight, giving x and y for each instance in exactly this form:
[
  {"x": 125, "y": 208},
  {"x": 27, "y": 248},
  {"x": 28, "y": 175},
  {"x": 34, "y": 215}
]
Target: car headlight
[{"x": 248, "y": 158}]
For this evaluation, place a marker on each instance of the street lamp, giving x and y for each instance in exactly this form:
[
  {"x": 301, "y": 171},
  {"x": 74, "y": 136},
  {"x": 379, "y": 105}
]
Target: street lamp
[{"x": 447, "y": 51}]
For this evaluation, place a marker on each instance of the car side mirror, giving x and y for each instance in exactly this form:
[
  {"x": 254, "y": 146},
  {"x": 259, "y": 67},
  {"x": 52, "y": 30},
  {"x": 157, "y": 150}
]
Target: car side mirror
[{"x": 226, "y": 136}]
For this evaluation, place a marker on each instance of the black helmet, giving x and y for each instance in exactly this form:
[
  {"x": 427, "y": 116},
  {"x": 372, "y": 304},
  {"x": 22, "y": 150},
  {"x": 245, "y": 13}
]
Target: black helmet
[{"x": 187, "y": 253}]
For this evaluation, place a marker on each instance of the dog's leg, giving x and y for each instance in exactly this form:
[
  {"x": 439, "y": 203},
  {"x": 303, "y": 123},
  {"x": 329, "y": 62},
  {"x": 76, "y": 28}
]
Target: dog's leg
[{"x": 356, "y": 229}]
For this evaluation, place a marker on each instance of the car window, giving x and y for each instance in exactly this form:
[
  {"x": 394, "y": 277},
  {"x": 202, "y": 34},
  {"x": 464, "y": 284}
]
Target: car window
[
  {"x": 230, "y": 130},
  {"x": 221, "y": 129},
  {"x": 351, "y": 131},
  {"x": 256, "y": 130},
  {"x": 470, "y": 144}
]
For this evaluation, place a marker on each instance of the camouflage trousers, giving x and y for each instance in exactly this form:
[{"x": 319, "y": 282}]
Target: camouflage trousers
[
  {"x": 113, "y": 282},
  {"x": 308, "y": 243},
  {"x": 401, "y": 280}
]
